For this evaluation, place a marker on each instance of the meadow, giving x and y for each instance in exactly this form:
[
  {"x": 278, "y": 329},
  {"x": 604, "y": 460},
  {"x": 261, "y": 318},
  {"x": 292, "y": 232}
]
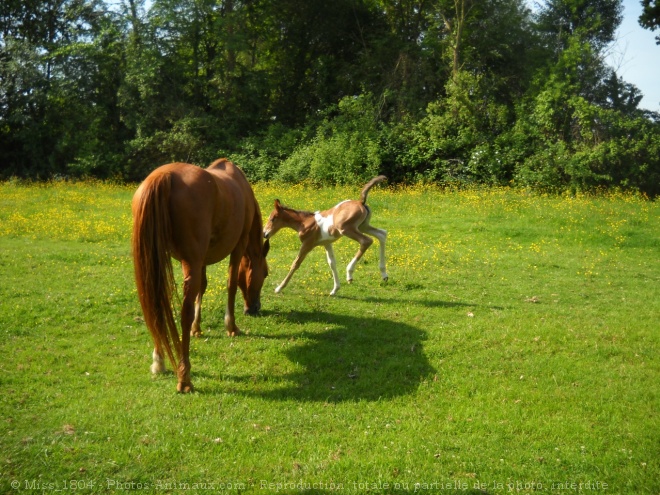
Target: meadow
[{"x": 514, "y": 349}]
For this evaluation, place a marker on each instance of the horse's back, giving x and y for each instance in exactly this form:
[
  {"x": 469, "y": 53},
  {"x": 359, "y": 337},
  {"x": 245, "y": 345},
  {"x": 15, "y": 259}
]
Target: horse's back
[
  {"x": 202, "y": 209},
  {"x": 235, "y": 187},
  {"x": 350, "y": 211},
  {"x": 226, "y": 171}
]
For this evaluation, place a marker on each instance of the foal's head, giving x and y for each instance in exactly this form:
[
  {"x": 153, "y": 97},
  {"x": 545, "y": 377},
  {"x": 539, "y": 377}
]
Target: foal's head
[
  {"x": 251, "y": 275},
  {"x": 279, "y": 217}
]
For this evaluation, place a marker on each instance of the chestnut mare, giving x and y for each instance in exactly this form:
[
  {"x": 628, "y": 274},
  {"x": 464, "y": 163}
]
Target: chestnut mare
[
  {"x": 199, "y": 217},
  {"x": 349, "y": 218}
]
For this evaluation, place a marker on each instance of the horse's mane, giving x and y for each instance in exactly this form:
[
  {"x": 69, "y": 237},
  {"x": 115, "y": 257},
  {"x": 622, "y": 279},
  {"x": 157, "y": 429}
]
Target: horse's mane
[{"x": 299, "y": 212}]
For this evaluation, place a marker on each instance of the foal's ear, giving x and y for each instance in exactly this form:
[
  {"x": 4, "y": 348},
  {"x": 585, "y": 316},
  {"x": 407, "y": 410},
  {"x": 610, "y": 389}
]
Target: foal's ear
[
  {"x": 278, "y": 205},
  {"x": 266, "y": 248}
]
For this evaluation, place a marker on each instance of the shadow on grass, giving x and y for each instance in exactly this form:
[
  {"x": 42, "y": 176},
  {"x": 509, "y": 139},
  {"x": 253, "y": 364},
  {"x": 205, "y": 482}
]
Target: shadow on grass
[
  {"x": 390, "y": 300},
  {"x": 351, "y": 358}
]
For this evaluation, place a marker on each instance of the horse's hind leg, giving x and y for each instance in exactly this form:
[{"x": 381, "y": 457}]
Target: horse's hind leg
[
  {"x": 192, "y": 287},
  {"x": 158, "y": 366},
  {"x": 330, "y": 254},
  {"x": 364, "y": 241},
  {"x": 196, "y": 329},
  {"x": 381, "y": 235}
]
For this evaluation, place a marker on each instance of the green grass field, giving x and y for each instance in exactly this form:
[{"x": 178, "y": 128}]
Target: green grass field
[{"x": 514, "y": 350}]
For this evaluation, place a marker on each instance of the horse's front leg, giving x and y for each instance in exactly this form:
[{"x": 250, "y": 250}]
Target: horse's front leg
[
  {"x": 304, "y": 250},
  {"x": 232, "y": 285},
  {"x": 192, "y": 284}
]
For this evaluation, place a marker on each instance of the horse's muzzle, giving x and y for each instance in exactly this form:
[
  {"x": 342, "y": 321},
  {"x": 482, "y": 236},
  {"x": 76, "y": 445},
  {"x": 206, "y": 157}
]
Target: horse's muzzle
[{"x": 252, "y": 310}]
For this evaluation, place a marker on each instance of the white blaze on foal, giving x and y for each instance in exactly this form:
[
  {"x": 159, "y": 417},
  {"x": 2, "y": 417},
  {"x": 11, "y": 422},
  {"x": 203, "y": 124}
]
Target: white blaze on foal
[{"x": 349, "y": 218}]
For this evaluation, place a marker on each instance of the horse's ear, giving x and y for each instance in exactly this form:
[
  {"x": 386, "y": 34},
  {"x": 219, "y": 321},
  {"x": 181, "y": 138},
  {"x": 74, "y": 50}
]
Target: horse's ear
[
  {"x": 278, "y": 205},
  {"x": 266, "y": 247}
]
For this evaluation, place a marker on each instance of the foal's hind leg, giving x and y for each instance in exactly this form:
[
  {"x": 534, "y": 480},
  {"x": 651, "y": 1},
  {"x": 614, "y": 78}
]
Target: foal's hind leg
[
  {"x": 196, "y": 329},
  {"x": 365, "y": 242},
  {"x": 381, "y": 235}
]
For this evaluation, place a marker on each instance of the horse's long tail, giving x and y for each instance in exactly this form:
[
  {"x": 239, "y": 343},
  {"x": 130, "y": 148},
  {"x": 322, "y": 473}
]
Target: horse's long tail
[
  {"x": 370, "y": 184},
  {"x": 153, "y": 267}
]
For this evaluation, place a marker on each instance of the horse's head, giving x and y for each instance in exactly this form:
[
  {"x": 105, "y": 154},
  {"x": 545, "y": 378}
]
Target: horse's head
[
  {"x": 276, "y": 220},
  {"x": 251, "y": 275}
]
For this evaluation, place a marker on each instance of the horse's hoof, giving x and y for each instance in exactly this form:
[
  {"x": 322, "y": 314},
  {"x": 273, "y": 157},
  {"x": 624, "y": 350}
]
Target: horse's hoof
[
  {"x": 157, "y": 368},
  {"x": 233, "y": 333},
  {"x": 184, "y": 388},
  {"x": 349, "y": 280},
  {"x": 196, "y": 333},
  {"x": 385, "y": 279}
]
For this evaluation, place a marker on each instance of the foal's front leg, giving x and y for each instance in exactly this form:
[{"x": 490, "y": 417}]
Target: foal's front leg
[{"x": 304, "y": 251}]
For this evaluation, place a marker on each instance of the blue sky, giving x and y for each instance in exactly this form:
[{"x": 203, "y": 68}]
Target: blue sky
[{"x": 636, "y": 57}]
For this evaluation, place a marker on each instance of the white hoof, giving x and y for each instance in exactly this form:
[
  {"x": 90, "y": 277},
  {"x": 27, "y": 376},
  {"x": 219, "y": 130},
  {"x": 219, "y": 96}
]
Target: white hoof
[{"x": 157, "y": 368}]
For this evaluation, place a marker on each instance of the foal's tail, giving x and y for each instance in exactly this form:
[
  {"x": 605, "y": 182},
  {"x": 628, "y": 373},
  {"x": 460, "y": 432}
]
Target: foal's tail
[
  {"x": 370, "y": 184},
  {"x": 152, "y": 233}
]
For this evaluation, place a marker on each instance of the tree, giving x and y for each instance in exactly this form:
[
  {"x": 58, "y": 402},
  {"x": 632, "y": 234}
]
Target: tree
[
  {"x": 620, "y": 95},
  {"x": 51, "y": 55},
  {"x": 650, "y": 17},
  {"x": 593, "y": 21}
]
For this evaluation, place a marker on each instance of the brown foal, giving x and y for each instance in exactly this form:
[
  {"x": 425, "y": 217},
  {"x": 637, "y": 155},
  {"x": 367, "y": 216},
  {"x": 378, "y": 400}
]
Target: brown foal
[{"x": 349, "y": 218}]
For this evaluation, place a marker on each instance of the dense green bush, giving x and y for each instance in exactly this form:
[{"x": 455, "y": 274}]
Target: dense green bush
[
  {"x": 555, "y": 144},
  {"x": 584, "y": 147},
  {"x": 344, "y": 150},
  {"x": 260, "y": 155}
]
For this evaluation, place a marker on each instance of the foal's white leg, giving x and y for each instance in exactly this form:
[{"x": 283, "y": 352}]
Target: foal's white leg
[
  {"x": 381, "y": 235},
  {"x": 330, "y": 254},
  {"x": 158, "y": 366},
  {"x": 351, "y": 268},
  {"x": 365, "y": 242}
]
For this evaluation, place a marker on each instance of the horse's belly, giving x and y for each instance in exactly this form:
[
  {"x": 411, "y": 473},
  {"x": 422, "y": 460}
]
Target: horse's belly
[{"x": 219, "y": 248}]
